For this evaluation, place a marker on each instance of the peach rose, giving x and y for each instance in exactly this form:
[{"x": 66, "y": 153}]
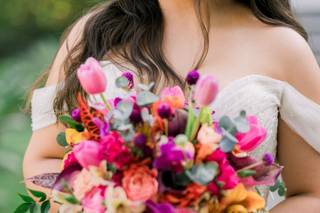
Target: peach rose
[{"x": 140, "y": 183}]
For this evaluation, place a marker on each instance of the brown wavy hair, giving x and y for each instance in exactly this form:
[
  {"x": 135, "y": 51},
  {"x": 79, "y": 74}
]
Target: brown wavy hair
[{"x": 134, "y": 29}]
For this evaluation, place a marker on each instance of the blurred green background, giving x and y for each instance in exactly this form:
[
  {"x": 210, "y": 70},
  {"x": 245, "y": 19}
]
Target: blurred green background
[{"x": 29, "y": 36}]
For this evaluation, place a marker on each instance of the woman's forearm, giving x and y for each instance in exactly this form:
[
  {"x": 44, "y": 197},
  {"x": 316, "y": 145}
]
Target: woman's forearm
[
  {"x": 41, "y": 166},
  {"x": 306, "y": 203}
]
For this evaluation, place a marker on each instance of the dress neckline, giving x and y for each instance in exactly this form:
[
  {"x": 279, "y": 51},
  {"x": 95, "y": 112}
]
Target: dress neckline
[{"x": 229, "y": 86}]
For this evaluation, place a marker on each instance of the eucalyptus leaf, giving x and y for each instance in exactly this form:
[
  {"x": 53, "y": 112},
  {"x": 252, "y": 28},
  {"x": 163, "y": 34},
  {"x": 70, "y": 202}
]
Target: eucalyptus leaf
[
  {"x": 145, "y": 115},
  {"x": 122, "y": 82},
  {"x": 145, "y": 98},
  {"x": 61, "y": 139},
  {"x": 227, "y": 124},
  {"x": 125, "y": 107},
  {"x": 203, "y": 173},
  {"x": 228, "y": 141},
  {"x": 241, "y": 122},
  {"x": 146, "y": 87}
]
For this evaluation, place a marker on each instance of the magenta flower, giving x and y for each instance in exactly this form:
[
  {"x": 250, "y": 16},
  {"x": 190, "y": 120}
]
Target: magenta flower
[
  {"x": 91, "y": 77},
  {"x": 206, "y": 90},
  {"x": 75, "y": 114},
  {"x": 253, "y": 138},
  {"x": 174, "y": 96},
  {"x": 87, "y": 153},
  {"x": 128, "y": 75},
  {"x": 170, "y": 157},
  {"x": 228, "y": 177},
  {"x": 192, "y": 77},
  {"x": 114, "y": 150},
  {"x": 153, "y": 207}
]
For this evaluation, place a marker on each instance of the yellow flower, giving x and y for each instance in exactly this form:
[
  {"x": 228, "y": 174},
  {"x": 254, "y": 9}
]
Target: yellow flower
[
  {"x": 74, "y": 137},
  {"x": 240, "y": 200}
]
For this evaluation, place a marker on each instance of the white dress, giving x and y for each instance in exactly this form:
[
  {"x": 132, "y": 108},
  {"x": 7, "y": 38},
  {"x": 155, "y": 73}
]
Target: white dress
[{"x": 259, "y": 95}]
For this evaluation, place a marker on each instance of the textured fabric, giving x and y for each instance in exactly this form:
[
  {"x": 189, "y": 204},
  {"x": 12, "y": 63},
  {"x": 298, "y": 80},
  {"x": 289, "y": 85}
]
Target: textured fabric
[{"x": 259, "y": 95}]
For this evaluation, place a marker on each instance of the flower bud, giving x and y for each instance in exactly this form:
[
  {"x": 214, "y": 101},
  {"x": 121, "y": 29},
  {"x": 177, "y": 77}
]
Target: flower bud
[{"x": 206, "y": 90}]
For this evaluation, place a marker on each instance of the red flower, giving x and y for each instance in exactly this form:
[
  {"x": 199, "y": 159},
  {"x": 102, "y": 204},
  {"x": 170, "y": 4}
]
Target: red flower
[{"x": 114, "y": 150}]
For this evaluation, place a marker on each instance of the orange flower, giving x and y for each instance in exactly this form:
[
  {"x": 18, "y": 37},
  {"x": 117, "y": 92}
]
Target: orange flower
[
  {"x": 140, "y": 183},
  {"x": 241, "y": 200},
  {"x": 189, "y": 196}
]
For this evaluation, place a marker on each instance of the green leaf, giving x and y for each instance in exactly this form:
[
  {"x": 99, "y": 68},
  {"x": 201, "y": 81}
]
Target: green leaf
[
  {"x": 23, "y": 208},
  {"x": 71, "y": 199},
  {"x": 34, "y": 208},
  {"x": 146, "y": 87},
  {"x": 203, "y": 173},
  {"x": 122, "y": 82},
  {"x": 61, "y": 139},
  {"x": 66, "y": 119},
  {"x": 146, "y": 98},
  {"x": 45, "y": 206},
  {"x": 282, "y": 190},
  {"x": 42, "y": 196},
  {"x": 246, "y": 173},
  {"x": 26, "y": 198}
]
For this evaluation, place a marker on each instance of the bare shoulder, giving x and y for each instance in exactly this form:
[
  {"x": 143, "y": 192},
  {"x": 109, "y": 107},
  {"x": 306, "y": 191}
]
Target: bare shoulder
[
  {"x": 73, "y": 36},
  {"x": 293, "y": 59}
]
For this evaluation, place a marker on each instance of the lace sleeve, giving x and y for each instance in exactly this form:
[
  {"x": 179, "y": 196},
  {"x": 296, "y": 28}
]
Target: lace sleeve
[
  {"x": 42, "y": 114},
  {"x": 302, "y": 115}
]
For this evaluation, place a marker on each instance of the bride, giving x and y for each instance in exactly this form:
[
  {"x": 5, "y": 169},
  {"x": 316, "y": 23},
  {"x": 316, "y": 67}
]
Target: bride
[{"x": 256, "y": 49}]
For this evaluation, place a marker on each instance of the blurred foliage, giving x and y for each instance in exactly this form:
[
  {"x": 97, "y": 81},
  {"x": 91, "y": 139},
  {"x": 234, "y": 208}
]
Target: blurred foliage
[
  {"x": 23, "y": 21},
  {"x": 30, "y": 30}
]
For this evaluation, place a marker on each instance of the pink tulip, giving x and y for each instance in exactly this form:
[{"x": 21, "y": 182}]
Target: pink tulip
[
  {"x": 87, "y": 153},
  {"x": 174, "y": 96},
  {"x": 206, "y": 90},
  {"x": 254, "y": 137},
  {"x": 93, "y": 200},
  {"x": 91, "y": 77}
]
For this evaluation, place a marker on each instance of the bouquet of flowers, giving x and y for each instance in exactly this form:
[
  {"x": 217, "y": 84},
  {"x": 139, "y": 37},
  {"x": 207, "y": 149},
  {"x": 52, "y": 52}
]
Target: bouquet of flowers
[{"x": 140, "y": 152}]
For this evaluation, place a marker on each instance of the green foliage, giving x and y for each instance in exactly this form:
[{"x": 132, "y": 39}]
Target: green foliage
[
  {"x": 31, "y": 204},
  {"x": 26, "y": 20}
]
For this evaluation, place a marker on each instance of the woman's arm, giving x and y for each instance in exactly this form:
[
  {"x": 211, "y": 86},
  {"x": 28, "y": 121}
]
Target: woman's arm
[
  {"x": 301, "y": 162},
  {"x": 43, "y": 154}
]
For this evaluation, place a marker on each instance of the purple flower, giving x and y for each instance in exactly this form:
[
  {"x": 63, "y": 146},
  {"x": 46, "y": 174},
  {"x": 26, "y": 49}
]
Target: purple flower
[
  {"x": 153, "y": 207},
  {"x": 135, "y": 116},
  {"x": 192, "y": 77},
  {"x": 140, "y": 140},
  {"x": 164, "y": 110},
  {"x": 75, "y": 114},
  {"x": 170, "y": 158},
  {"x": 268, "y": 159},
  {"x": 129, "y": 76}
]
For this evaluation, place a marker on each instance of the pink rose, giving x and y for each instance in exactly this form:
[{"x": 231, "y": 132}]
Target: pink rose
[
  {"x": 87, "y": 153},
  {"x": 91, "y": 77},
  {"x": 140, "y": 183},
  {"x": 254, "y": 137},
  {"x": 93, "y": 200},
  {"x": 174, "y": 96},
  {"x": 208, "y": 135},
  {"x": 114, "y": 150}
]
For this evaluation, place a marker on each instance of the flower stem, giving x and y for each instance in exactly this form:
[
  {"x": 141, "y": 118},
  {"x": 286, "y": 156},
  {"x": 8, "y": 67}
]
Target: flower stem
[{"x": 105, "y": 101}]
